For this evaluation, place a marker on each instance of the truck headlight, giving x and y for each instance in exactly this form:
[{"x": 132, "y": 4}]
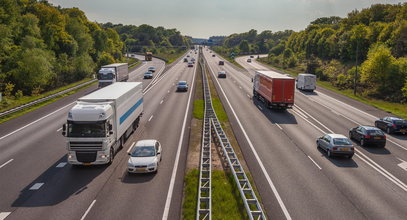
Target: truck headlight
[
  {"x": 103, "y": 156},
  {"x": 70, "y": 156}
]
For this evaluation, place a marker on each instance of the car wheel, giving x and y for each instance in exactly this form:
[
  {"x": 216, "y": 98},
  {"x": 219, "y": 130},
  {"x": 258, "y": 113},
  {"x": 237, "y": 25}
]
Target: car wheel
[
  {"x": 388, "y": 130},
  {"x": 350, "y": 135},
  {"x": 362, "y": 142},
  {"x": 329, "y": 153},
  {"x": 350, "y": 156},
  {"x": 318, "y": 147}
]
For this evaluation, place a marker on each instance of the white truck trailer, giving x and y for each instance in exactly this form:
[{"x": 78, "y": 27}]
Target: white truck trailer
[
  {"x": 99, "y": 123},
  {"x": 116, "y": 72},
  {"x": 306, "y": 82}
]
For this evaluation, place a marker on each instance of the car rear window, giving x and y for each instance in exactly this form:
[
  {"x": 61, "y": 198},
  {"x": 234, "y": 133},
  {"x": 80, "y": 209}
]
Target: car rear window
[
  {"x": 342, "y": 141},
  {"x": 400, "y": 122},
  {"x": 375, "y": 132}
]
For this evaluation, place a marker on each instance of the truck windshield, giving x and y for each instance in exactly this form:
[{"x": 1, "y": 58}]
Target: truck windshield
[
  {"x": 86, "y": 129},
  {"x": 108, "y": 76}
]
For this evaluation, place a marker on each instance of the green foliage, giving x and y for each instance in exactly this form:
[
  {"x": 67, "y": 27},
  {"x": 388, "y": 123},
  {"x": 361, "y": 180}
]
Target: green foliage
[
  {"x": 199, "y": 107},
  {"x": 9, "y": 87},
  {"x": 44, "y": 47},
  {"x": 244, "y": 46},
  {"x": 19, "y": 94}
]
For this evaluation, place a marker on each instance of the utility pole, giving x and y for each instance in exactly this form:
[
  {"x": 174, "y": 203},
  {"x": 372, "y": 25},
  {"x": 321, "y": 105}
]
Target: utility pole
[{"x": 356, "y": 74}]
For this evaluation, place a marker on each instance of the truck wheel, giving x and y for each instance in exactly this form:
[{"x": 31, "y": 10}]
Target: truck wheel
[{"x": 111, "y": 155}]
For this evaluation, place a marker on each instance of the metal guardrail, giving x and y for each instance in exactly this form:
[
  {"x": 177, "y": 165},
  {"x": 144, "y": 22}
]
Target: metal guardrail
[
  {"x": 251, "y": 203},
  {"x": 204, "y": 206},
  {"x": 21, "y": 107}
]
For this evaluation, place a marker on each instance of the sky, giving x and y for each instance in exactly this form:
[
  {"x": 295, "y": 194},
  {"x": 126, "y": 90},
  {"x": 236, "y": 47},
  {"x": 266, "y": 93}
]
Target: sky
[{"x": 205, "y": 18}]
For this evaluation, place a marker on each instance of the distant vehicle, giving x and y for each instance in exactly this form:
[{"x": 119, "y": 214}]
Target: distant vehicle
[
  {"x": 249, "y": 60},
  {"x": 367, "y": 135},
  {"x": 144, "y": 157},
  {"x": 336, "y": 144},
  {"x": 188, "y": 55},
  {"x": 213, "y": 55},
  {"x": 210, "y": 51},
  {"x": 306, "y": 82},
  {"x": 148, "y": 75},
  {"x": 116, "y": 72},
  {"x": 193, "y": 60},
  {"x": 151, "y": 69},
  {"x": 392, "y": 125},
  {"x": 149, "y": 56},
  {"x": 99, "y": 123},
  {"x": 251, "y": 56},
  {"x": 221, "y": 63},
  {"x": 182, "y": 86},
  {"x": 274, "y": 89},
  {"x": 185, "y": 60},
  {"x": 221, "y": 74},
  {"x": 190, "y": 64}
]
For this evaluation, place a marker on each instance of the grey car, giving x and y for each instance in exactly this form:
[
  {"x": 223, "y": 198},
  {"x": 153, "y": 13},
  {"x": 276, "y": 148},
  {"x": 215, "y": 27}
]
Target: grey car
[
  {"x": 336, "y": 144},
  {"x": 182, "y": 86},
  {"x": 151, "y": 69}
]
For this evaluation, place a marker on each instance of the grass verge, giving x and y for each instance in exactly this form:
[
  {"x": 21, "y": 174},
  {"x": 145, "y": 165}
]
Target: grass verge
[
  {"x": 199, "y": 106},
  {"x": 171, "y": 57},
  {"x": 34, "y": 107},
  {"x": 397, "y": 109}
]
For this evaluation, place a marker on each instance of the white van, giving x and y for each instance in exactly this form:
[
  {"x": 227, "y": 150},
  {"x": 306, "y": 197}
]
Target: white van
[{"x": 306, "y": 82}]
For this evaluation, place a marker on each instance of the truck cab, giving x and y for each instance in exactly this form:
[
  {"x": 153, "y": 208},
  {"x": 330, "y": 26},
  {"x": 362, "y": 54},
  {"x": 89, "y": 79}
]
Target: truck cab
[{"x": 106, "y": 76}]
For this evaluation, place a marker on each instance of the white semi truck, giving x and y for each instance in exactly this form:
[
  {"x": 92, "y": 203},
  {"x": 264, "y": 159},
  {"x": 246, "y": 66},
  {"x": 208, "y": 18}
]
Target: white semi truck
[
  {"x": 99, "y": 123},
  {"x": 306, "y": 82},
  {"x": 116, "y": 72}
]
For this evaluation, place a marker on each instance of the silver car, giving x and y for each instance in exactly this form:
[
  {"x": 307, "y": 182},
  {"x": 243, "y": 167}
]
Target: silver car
[
  {"x": 336, "y": 144},
  {"x": 144, "y": 157}
]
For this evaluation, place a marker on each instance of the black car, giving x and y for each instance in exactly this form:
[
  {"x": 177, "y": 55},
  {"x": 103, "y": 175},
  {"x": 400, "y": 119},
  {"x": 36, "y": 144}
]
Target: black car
[
  {"x": 185, "y": 60},
  {"x": 213, "y": 55},
  {"x": 221, "y": 62},
  {"x": 367, "y": 135},
  {"x": 392, "y": 125}
]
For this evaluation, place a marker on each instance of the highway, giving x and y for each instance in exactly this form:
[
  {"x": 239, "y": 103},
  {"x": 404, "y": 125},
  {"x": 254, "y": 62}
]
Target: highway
[
  {"x": 294, "y": 179},
  {"x": 37, "y": 183}
]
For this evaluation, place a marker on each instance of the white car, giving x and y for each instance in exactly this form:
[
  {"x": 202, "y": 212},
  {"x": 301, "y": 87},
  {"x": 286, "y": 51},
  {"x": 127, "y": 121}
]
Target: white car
[{"x": 144, "y": 157}]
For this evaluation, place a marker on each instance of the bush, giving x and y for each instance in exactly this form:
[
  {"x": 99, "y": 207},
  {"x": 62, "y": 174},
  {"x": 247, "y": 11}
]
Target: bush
[
  {"x": 8, "y": 89},
  {"x": 19, "y": 94}
]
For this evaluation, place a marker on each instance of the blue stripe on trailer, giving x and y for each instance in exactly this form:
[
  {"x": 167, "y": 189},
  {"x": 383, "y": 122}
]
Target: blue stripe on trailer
[{"x": 130, "y": 111}]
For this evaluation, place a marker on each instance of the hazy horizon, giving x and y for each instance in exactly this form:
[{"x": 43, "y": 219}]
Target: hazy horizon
[{"x": 202, "y": 19}]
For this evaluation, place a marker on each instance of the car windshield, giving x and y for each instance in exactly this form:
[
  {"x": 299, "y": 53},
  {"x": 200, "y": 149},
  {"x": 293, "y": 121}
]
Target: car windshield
[
  {"x": 148, "y": 73},
  {"x": 144, "y": 151},
  {"x": 342, "y": 141},
  {"x": 182, "y": 83},
  {"x": 86, "y": 129},
  {"x": 375, "y": 132}
]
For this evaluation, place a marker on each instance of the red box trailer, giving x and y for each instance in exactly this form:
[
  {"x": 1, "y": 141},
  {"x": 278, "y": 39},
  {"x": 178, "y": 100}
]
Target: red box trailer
[{"x": 274, "y": 89}]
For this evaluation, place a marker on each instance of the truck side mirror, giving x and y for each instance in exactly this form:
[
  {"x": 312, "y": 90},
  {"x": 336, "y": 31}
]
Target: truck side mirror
[
  {"x": 64, "y": 129},
  {"x": 110, "y": 127}
]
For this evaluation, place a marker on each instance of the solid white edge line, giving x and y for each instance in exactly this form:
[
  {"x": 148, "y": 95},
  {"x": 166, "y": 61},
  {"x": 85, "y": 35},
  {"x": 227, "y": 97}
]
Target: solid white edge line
[
  {"x": 151, "y": 117},
  {"x": 161, "y": 102},
  {"x": 59, "y": 129},
  {"x": 36, "y": 186},
  {"x": 88, "y": 210},
  {"x": 315, "y": 163},
  {"x": 4, "y": 164},
  {"x": 131, "y": 146},
  {"x": 15, "y": 131},
  {"x": 174, "y": 170},
  {"x": 273, "y": 188},
  {"x": 279, "y": 126},
  {"x": 3, "y": 215}
]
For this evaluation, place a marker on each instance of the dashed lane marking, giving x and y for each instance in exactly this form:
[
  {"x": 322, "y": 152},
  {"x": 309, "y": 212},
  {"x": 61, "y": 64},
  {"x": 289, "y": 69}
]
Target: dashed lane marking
[
  {"x": 60, "y": 165},
  {"x": 36, "y": 186},
  {"x": 4, "y": 164}
]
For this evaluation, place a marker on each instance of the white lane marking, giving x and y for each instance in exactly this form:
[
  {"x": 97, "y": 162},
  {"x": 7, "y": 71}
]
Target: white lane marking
[
  {"x": 259, "y": 107},
  {"x": 161, "y": 101},
  {"x": 60, "y": 165},
  {"x": 168, "y": 91},
  {"x": 315, "y": 163},
  {"x": 36, "y": 186},
  {"x": 319, "y": 129},
  {"x": 88, "y": 210},
  {"x": 300, "y": 113},
  {"x": 131, "y": 147},
  {"x": 175, "y": 167},
  {"x": 13, "y": 132},
  {"x": 248, "y": 95},
  {"x": 4, "y": 164},
  {"x": 151, "y": 117},
  {"x": 306, "y": 113},
  {"x": 153, "y": 83},
  {"x": 367, "y": 160},
  {"x": 270, "y": 182},
  {"x": 279, "y": 126},
  {"x": 59, "y": 129},
  {"x": 403, "y": 165},
  {"x": 4, "y": 215}
]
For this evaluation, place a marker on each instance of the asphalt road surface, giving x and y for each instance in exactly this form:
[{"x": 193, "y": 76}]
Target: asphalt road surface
[{"x": 297, "y": 181}]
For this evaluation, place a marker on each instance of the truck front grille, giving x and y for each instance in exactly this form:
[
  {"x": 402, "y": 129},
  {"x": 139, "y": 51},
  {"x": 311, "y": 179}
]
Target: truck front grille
[
  {"x": 86, "y": 156},
  {"x": 85, "y": 146}
]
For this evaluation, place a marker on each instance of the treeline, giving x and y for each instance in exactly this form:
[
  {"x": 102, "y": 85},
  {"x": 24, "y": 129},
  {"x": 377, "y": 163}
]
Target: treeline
[
  {"x": 147, "y": 38},
  {"x": 375, "y": 38},
  {"x": 43, "y": 47}
]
